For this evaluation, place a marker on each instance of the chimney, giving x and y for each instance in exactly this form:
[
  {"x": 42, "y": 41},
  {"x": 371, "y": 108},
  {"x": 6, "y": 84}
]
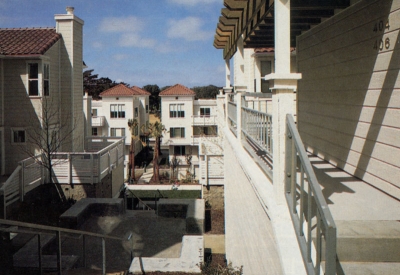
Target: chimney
[{"x": 70, "y": 10}]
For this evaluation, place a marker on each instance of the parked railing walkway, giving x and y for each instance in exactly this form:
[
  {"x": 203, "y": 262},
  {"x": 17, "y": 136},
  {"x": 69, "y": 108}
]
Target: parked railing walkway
[{"x": 310, "y": 213}]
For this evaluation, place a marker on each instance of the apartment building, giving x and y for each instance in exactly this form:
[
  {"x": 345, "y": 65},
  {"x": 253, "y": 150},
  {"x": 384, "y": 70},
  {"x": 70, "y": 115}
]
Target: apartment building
[
  {"x": 192, "y": 138},
  {"x": 39, "y": 69},
  {"x": 343, "y": 94},
  {"x": 110, "y": 115}
]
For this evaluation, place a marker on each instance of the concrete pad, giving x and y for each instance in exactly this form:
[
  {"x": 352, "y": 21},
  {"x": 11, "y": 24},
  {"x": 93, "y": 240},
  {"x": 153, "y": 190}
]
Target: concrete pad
[
  {"x": 192, "y": 255},
  {"x": 350, "y": 198},
  {"x": 215, "y": 242},
  {"x": 371, "y": 268}
]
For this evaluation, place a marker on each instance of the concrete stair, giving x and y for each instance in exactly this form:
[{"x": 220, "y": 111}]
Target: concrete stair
[{"x": 368, "y": 247}]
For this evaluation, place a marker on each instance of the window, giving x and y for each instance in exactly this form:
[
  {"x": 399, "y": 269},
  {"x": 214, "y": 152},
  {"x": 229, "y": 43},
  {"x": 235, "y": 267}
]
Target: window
[
  {"x": 205, "y": 111},
  {"x": 117, "y": 132},
  {"x": 18, "y": 136},
  {"x": 46, "y": 79},
  {"x": 179, "y": 150},
  {"x": 266, "y": 68},
  {"x": 147, "y": 109},
  {"x": 94, "y": 131},
  {"x": 176, "y": 110},
  {"x": 136, "y": 112},
  {"x": 117, "y": 110},
  {"x": 176, "y": 132},
  {"x": 33, "y": 79},
  {"x": 94, "y": 112}
]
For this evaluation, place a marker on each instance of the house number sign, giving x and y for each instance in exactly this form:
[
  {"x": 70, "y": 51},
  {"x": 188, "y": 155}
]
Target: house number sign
[{"x": 383, "y": 43}]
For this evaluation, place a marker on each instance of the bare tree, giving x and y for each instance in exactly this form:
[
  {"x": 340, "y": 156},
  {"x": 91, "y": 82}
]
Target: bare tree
[
  {"x": 133, "y": 124},
  {"x": 48, "y": 135}
]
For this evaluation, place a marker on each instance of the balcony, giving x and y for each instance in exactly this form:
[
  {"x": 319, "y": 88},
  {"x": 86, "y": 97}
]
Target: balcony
[
  {"x": 98, "y": 121},
  {"x": 204, "y": 120}
]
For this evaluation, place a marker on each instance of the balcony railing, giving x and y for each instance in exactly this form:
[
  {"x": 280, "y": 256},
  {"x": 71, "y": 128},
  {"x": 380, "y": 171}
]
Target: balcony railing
[
  {"x": 204, "y": 120},
  {"x": 312, "y": 220},
  {"x": 98, "y": 121},
  {"x": 67, "y": 168}
]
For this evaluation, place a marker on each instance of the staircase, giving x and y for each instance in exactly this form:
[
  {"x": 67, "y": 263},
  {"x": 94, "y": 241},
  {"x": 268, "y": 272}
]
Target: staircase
[{"x": 369, "y": 247}]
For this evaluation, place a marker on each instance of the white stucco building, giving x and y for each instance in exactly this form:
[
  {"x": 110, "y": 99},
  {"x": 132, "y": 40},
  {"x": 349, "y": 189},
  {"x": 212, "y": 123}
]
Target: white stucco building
[
  {"x": 111, "y": 114},
  {"x": 192, "y": 131}
]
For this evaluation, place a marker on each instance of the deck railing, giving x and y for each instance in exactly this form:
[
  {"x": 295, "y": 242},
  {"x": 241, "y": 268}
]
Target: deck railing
[
  {"x": 310, "y": 213},
  {"x": 68, "y": 168},
  {"x": 60, "y": 234},
  {"x": 204, "y": 120}
]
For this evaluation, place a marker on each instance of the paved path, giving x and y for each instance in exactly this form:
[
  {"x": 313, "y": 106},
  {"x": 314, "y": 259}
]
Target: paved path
[
  {"x": 146, "y": 177},
  {"x": 216, "y": 242}
]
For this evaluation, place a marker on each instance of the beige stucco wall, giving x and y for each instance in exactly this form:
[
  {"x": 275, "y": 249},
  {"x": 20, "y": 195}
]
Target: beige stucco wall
[{"x": 349, "y": 96}]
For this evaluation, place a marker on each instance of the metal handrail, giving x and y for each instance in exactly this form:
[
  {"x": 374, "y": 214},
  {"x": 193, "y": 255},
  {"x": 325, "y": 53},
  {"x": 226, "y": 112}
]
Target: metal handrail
[
  {"x": 302, "y": 193},
  {"x": 257, "y": 126},
  {"x": 44, "y": 229}
]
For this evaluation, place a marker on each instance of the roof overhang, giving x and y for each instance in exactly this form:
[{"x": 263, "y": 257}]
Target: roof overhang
[{"x": 254, "y": 21}]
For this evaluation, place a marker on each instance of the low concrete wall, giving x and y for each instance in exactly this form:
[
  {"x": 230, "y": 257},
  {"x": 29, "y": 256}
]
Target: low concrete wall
[
  {"x": 192, "y": 210},
  {"x": 80, "y": 211}
]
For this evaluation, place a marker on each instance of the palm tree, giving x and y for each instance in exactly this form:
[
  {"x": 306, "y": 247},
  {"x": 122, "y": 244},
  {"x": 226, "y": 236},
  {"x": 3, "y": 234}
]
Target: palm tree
[
  {"x": 155, "y": 130},
  {"x": 133, "y": 124}
]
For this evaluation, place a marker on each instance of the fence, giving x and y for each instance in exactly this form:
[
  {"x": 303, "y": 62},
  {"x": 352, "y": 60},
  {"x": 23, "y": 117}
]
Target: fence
[
  {"x": 68, "y": 168},
  {"x": 308, "y": 208},
  {"x": 60, "y": 234}
]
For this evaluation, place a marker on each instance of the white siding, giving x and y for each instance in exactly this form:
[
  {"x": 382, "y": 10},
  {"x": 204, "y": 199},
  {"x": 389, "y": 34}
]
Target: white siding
[{"x": 349, "y": 96}]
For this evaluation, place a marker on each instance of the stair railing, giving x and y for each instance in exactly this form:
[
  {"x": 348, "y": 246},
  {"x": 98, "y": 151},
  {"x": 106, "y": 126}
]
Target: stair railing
[
  {"x": 311, "y": 217},
  {"x": 23, "y": 227}
]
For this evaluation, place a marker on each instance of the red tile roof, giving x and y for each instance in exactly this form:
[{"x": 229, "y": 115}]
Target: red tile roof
[
  {"x": 123, "y": 90},
  {"x": 140, "y": 91},
  {"x": 28, "y": 41},
  {"x": 177, "y": 89}
]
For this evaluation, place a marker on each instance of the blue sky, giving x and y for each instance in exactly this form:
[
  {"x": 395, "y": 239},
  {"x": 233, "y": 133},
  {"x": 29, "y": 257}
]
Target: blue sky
[{"x": 139, "y": 42}]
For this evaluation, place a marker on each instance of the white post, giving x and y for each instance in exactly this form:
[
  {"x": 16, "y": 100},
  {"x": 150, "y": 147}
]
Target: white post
[
  {"x": 227, "y": 73},
  {"x": 69, "y": 169},
  {"x": 238, "y": 115},
  {"x": 283, "y": 85}
]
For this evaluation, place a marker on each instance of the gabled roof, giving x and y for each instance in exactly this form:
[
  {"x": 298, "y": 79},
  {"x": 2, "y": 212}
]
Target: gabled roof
[
  {"x": 28, "y": 41},
  {"x": 123, "y": 90},
  {"x": 140, "y": 91},
  {"x": 177, "y": 89}
]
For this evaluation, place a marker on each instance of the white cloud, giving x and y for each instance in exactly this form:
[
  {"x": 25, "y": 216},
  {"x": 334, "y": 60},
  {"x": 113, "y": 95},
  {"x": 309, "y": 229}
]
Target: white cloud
[
  {"x": 120, "y": 57},
  {"x": 188, "y": 28},
  {"x": 134, "y": 40},
  {"x": 97, "y": 45},
  {"x": 121, "y": 24},
  {"x": 193, "y": 2}
]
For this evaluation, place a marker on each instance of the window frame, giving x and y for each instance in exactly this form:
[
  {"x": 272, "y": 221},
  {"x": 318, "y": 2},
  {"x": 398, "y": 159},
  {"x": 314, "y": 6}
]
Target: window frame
[
  {"x": 174, "y": 134},
  {"x": 182, "y": 150},
  {"x": 204, "y": 111},
  {"x": 95, "y": 131},
  {"x": 15, "y": 130},
  {"x": 176, "y": 110},
  {"x": 46, "y": 79},
  {"x": 117, "y": 111},
  {"x": 113, "y": 132},
  {"x": 31, "y": 79}
]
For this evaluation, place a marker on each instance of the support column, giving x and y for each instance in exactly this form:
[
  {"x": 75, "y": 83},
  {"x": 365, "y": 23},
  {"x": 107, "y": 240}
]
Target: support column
[
  {"x": 239, "y": 115},
  {"x": 227, "y": 73},
  {"x": 283, "y": 85}
]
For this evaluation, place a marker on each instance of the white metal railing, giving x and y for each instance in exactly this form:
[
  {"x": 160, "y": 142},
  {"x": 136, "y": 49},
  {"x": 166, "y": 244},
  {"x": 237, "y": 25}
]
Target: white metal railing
[
  {"x": 98, "y": 121},
  {"x": 232, "y": 116},
  {"x": 204, "y": 120},
  {"x": 67, "y": 168},
  {"x": 257, "y": 126},
  {"x": 310, "y": 213}
]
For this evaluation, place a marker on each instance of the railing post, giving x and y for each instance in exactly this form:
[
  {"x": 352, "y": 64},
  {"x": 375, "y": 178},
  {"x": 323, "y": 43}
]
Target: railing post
[
  {"x": 40, "y": 254},
  {"x": 22, "y": 186},
  {"x": 69, "y": 169},
  {"x": 92, "y": 165},
  {"x": 103, "y": 246},
  {"x": 58, "y": 239},
  {"x": 239, "y": 115}
]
